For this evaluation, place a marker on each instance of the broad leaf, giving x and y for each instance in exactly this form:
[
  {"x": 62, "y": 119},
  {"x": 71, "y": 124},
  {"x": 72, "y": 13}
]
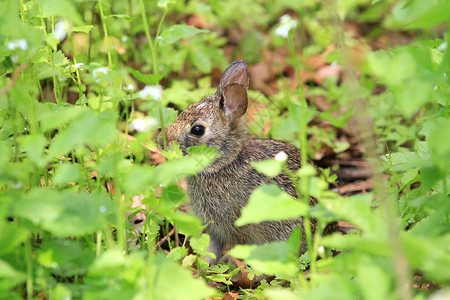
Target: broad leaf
[{"x": 270, "y": 203}]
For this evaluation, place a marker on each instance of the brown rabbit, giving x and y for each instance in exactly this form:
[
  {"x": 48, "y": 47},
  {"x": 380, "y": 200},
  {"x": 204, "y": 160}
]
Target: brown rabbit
[{"x": 221, "y": 190}]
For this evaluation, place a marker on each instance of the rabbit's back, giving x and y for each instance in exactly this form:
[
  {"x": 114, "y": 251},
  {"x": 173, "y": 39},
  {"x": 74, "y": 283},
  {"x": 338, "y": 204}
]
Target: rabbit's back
[{"x": 218, "y": 197}]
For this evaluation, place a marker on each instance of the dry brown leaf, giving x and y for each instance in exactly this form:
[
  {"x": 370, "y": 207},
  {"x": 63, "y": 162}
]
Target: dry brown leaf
[
  {"x": 230, "y": 296},
  {"x": 326, "y": 72}
]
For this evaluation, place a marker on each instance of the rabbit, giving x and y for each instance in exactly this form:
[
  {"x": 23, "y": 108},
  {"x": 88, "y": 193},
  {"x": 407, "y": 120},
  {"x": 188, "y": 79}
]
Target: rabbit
[{"x": 222, "y": 189}]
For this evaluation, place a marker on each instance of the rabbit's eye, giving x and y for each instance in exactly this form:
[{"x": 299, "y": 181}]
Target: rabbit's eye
[{"x": 198, "y": 130}]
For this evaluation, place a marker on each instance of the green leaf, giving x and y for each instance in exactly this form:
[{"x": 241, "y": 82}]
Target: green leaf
[
  {"x": 200, "y": 244},
  {"x": 149, "y": 79},
  {"x": 169, "y": 115},
  {"x": 368, "y": 272},
  {"x": 12, "y": 236},
  {"x": 61, "y": 291},
  {"x": 63, "y": 213},
  {"x": 358, "y": 211},
  {"x": 61, "y": 8},
  {"x": 374, "y": 245},
  {"x": 172, "y": 171},
  {"x": 67, "y": 173},
  {"x": 269, "y": 203},
  {"x": 270, "y": 259},
  {"x": 176, "y": 282},
  {"x": 89, "y": 128},
  {"x": 85, "y": 28},
  {"x": 52, "y": 116},
  {"x": 114, "y": 275},
  {"x": 177, "y": 32},
  {"x": 185, "y": 223},
  {"x": 188, "y": 261},
  {"x": 177, "y": 253},
  {"x": 9, "y": 277},
  {"x": 34, "y": 147},
  {"x": 121, "y": 16},
  {"x": 418, "y": 14},
  {"x": 270, "y": 167},
  {"x": 65, "y": 257},
  {"x": 201, "y": 59}
]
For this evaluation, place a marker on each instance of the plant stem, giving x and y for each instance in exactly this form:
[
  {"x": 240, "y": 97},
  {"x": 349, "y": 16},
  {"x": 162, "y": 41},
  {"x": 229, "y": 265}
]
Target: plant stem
[
  {"x": 302, "y": 125},
  {"x": 80, "y": 90},
  {"x": 105, "y": 32},
  {"x": 22, "y": 11},
  {"x": 98, "y": 249},
  {"x": 149, "y": 38},
  {"x": 29, "y": 264},
  {"x": 158, "y": 31}
]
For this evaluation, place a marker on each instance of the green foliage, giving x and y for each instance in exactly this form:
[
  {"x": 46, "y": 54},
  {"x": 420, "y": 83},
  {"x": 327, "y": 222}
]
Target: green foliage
[
  {"x": 271, "y": 198},
  {"x": 71, "y": 91}
]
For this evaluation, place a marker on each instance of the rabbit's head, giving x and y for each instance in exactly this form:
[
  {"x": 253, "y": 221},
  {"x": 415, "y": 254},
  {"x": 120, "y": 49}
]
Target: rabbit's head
[{"x": 217, "y": 119}]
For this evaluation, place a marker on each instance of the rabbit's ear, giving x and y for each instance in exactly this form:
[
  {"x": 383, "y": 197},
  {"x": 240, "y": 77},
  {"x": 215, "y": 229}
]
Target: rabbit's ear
[
  {"x": 235, "y": 101},
  {"x": 236, "y": 73}
]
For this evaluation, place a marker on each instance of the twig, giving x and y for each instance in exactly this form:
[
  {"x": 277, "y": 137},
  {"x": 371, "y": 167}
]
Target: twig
[
  {"x": 165, "y": 238},
  {"x": 14, "y": 80}
]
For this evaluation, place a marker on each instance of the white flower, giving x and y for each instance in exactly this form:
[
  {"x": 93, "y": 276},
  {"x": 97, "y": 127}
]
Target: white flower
[
  {"x": 151, "y": 91},
  {"x": 321, "y": 250},
  {"x": 23, "y": 44},
  {"x": 12, "y": 45},
  {"x": 130, "y": 87},
  {"x": 78, "y": 65},
  {"x": 281, "y": 156},
  {"x": 99, "y": 72},
  {"x": 143, "y": 124},
  {"x": 20, "y": 44},
  {"x": 442, "y": 47},
  {"x": 61, "y": 29},
  {"x": 14, "y": 58},
  {"x": 286, "y": 24}
]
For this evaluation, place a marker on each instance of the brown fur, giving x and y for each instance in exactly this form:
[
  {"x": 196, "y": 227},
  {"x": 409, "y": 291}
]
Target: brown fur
[{"x": 221, "y": 190}]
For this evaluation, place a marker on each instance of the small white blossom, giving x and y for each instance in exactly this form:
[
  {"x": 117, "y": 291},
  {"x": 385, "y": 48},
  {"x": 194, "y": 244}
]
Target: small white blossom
[
  {"x": 99, "y": 72},
  {"x": 12, "y": 45},
  {"x": 130, "y": 87},
  {"x": 23, "y": 44},
  {"x": 124, "y": 39},
  {"x": 17, "y": 185},
  {"x": 442, "y": 47},
  {"x": 102, "y": 209},
  {"x": 20, "y": 44},
  {"x": 286, "y": 24},
  {"x": 281, "y": 156},
  {"x": 151, "y": 91},
  {"x": 14, "y": 58},
  {"x": 61, "y": 29},
  {"x": 78, "y": 65},
  {"x": 143, "y": 124},
  {"x": 321, "y": 250}
]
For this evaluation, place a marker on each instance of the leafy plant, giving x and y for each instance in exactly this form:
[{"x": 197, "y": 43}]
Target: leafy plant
[{"x": 82, "y": 99}]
